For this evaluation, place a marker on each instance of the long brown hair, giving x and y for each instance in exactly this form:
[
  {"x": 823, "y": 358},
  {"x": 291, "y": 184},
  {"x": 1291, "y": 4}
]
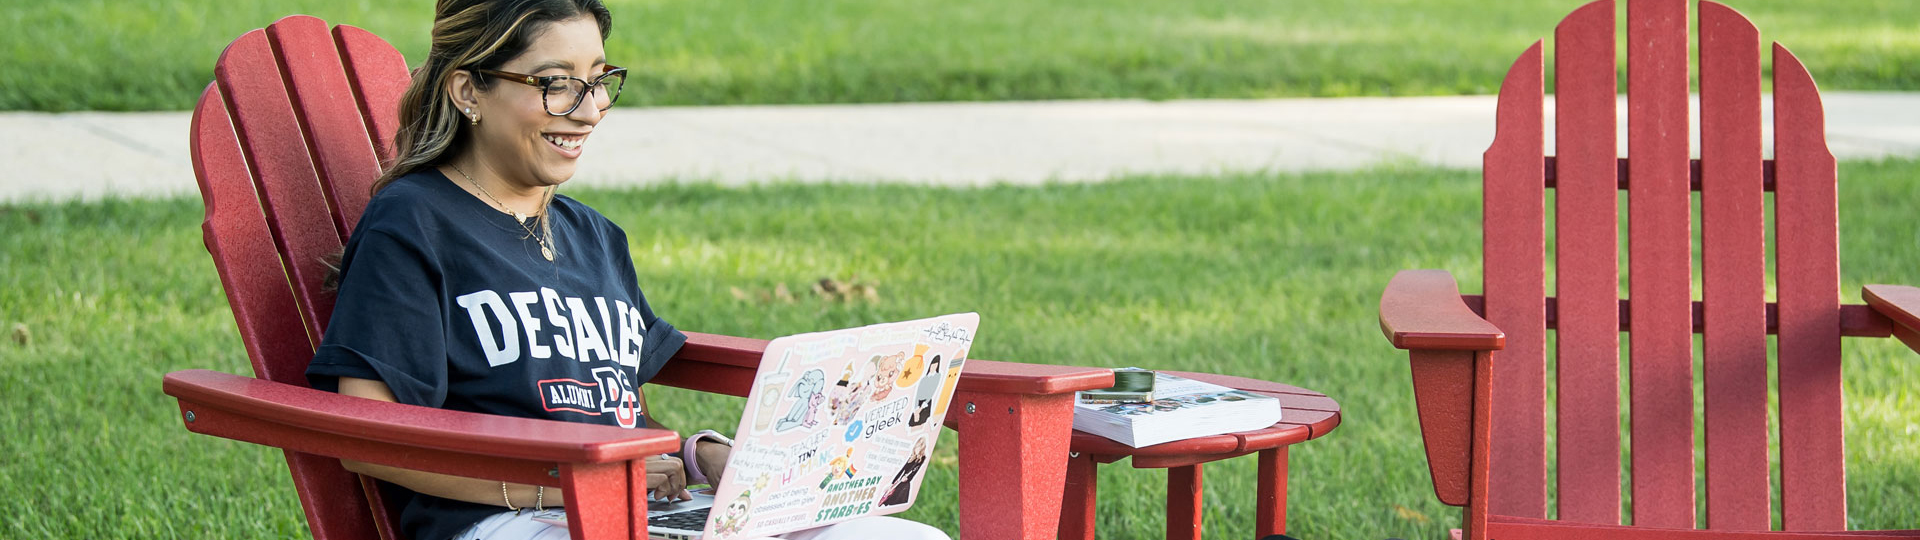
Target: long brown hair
[{"x": 468, "y": 34}]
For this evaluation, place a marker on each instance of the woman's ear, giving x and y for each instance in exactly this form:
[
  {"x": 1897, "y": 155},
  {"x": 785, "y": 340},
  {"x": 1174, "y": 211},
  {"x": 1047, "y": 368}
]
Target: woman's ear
[{"x": 461, "y": 90}]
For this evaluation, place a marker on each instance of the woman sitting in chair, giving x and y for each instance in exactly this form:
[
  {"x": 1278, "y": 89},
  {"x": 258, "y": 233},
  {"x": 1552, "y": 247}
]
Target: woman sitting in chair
[{"x": 469, "y": 285}]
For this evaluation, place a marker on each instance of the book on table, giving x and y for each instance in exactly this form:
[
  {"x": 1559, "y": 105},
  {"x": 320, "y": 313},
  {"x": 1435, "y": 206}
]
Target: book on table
[{"x": 1182, "y": 408}]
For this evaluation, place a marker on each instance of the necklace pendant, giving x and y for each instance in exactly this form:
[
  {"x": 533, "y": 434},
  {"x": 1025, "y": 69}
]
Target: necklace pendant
[
  {"x": 519, "y": 217},
  {"x": 546, "y": 252}
]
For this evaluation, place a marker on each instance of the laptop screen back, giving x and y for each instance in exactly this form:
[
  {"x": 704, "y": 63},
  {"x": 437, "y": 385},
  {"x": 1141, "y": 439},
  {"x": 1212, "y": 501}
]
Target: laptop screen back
[{"x": 840, "y": 425}]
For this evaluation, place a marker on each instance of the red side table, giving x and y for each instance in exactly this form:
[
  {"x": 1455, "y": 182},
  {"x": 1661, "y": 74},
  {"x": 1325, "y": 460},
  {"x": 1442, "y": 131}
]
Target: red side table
[{"x": 1306, "y": 415}]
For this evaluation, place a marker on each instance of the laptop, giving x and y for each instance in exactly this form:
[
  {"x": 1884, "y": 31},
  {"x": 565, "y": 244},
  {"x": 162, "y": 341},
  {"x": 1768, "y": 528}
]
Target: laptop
[{"x": 839, "y": 425}]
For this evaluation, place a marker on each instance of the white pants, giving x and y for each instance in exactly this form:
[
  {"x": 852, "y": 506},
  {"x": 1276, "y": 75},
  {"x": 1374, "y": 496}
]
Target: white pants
[{"x": 521, "y": 526}]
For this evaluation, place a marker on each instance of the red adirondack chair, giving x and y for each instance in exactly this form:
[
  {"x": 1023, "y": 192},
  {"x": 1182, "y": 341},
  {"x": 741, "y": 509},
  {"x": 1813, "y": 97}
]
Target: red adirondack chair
[
  {"x": 1480, "y": 383},
  {"x": 286, "y": 142}
]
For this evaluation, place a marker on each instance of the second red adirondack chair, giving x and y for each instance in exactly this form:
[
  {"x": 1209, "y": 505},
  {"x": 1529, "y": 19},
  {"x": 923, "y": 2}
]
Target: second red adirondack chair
[
  {"x": 1480, "y": 362},
  {"x": 285, "y": 144}
]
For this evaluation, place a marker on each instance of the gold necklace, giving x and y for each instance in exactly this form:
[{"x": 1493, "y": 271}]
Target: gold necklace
[{"x": 546, "y": 243}]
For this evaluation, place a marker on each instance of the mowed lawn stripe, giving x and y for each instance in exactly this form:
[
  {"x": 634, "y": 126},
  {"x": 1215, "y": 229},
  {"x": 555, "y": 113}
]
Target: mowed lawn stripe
[
  {"x": 1259, "y": 275},
  {"x": 159, "y": 54}
]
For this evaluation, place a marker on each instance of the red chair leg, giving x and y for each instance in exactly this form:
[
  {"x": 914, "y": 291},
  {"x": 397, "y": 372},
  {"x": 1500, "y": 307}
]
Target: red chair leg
[
  {"x": 1183, "y": 503},
  {"x": 1271, "y": 516},
  {"x": 1011, "y": 477},
  {"x": 1077, "y": 509}
]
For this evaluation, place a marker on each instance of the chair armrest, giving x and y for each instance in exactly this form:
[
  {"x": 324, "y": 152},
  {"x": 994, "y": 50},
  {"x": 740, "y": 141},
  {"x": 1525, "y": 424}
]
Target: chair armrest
[
  {"x": 324, "y": 423},
  {"x": 1451, "y": 351},
  {"x": 1900, "y": 304},
  {"x": 713, "y": 363},
  {"x": 722, "y": 350},
  {"x": 990, "y": 377},
  {"x": 1422, "y": 309},
  {"x": 726, "y": 364}
]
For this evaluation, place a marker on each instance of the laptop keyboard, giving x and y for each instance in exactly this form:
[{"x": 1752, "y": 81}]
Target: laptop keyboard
[{"x": 691, "y": 520}]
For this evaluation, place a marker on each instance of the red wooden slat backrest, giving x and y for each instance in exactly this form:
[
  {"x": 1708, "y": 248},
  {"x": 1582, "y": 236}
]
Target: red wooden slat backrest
[
  {"x": 1514, "y": 243},
  {"x": 325, "y": 105},
  {"x": 1660, "y": 369},
  {"x": 378, "y": 75},
  {"x": 370, "y": 65},
  {"x": 1587, "y": 275},
  {"x": 1807, "y": 273},
  {"x": 237, "y": 236},
  {"x": 285, "y": 175},
  {"x": 1733, "y": 268},
  {"x": 284, "y": 160},
  {"x": 1587, "y": 312}
]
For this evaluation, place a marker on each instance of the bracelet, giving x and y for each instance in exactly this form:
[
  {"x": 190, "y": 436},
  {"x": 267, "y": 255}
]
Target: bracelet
[{"x": 539, "y": 499}]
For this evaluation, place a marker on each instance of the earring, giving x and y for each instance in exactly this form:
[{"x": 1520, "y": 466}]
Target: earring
[{"x": 472, "y": 119}]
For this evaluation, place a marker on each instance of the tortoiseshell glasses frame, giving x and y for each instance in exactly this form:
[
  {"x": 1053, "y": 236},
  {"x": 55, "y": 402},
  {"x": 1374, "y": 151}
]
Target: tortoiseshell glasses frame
[{"x": 562, "y": 85}]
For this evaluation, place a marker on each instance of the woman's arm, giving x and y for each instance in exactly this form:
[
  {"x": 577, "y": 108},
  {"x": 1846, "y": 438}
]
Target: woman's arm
[
  {"x": 711, "y": 456},
  {"x": 663, "y": 472},
  {"x": 459, "y": 488}
]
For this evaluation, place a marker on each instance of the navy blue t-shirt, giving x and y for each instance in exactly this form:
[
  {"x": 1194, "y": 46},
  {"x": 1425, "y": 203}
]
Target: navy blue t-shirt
[{"x": 449, "y": 302}]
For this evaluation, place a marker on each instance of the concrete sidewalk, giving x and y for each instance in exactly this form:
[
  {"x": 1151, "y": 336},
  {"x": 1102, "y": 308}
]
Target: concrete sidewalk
[{"x": 87, "y": 155}]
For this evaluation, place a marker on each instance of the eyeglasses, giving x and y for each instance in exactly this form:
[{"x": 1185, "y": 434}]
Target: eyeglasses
[{"x": 561, "y": 94}]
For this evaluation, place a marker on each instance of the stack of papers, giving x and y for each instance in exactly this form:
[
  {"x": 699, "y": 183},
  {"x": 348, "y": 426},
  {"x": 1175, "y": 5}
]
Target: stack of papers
[{"x": 1182, "y": 409}]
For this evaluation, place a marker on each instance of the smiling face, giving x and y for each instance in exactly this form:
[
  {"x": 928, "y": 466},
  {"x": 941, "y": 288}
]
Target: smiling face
[{"x": 516, "y": 140}]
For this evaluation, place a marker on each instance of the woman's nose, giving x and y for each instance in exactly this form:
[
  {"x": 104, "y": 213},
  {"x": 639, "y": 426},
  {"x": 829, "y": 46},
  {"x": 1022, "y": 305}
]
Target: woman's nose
[{"x": 589, "y": 110}]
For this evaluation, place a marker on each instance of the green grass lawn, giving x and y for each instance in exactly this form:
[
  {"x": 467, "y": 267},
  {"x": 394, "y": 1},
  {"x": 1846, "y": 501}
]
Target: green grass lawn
[
  {"x": 1268, "y": 276},
  {"x": 158, "y": 54}
]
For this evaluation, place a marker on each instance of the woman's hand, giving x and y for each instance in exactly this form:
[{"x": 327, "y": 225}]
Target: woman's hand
[{"x": 667, "y": 479}]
